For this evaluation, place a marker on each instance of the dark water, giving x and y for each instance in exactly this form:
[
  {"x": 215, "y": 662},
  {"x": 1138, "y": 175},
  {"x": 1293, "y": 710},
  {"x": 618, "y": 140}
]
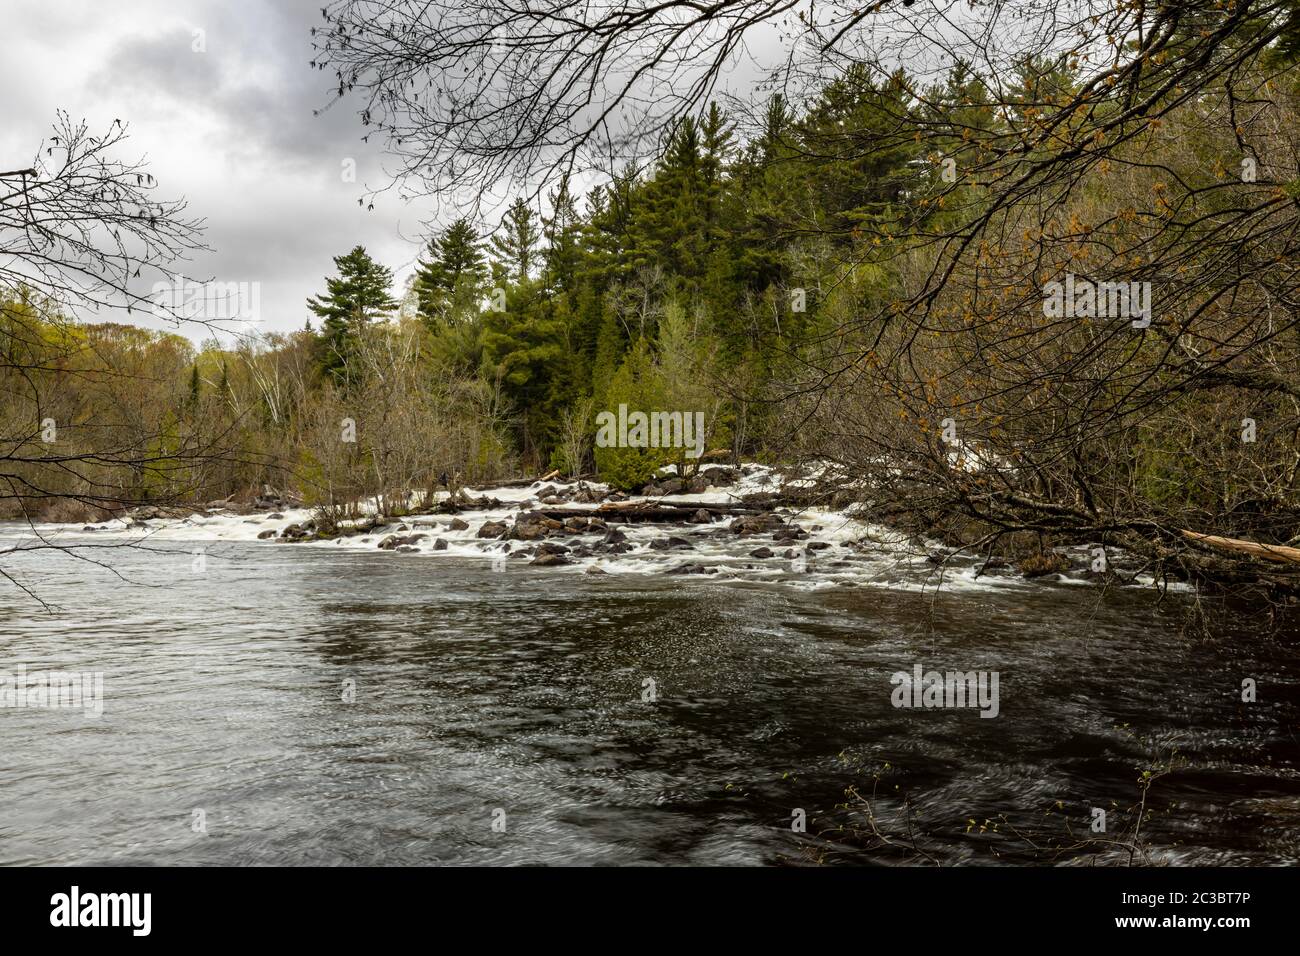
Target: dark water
[{"x": 522, "y": 691}]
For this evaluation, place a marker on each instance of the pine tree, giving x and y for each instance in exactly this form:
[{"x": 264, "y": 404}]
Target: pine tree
[
  {"x": 359, "y": 294},
  {"x": 638, "y": 385},
  {"x": 452, "y": 275},
  {"x": 563, "y": 233},
  {"x": 716, "y": 136},
  {"x": 516, "y": 242},
  {"x": 776, "y": 121},
  {"x": 677, "y": 212}
]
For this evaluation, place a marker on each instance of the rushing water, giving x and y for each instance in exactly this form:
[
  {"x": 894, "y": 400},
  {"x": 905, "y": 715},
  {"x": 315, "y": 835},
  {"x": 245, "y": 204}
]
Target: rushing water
[{"x": 523, "y": 691}]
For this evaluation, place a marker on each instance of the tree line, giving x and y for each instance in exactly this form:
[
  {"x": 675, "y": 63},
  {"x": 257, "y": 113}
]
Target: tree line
[{"x": 857, "y": 274}]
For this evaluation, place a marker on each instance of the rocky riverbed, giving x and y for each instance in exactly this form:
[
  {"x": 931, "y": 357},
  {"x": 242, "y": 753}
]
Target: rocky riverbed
[{"x": 724, "y": 523}]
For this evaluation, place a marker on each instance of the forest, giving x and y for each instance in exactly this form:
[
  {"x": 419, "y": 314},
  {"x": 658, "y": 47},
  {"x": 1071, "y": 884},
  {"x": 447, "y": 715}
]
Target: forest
[{"x": 854, "y": 278}]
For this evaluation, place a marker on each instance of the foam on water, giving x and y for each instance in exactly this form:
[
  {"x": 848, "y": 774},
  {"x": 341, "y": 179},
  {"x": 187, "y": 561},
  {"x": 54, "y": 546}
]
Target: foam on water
[{"x": 855, "y": 553}]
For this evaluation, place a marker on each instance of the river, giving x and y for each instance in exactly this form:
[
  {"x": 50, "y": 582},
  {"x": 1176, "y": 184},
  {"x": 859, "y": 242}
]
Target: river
[{"x": 296, "y": 705}]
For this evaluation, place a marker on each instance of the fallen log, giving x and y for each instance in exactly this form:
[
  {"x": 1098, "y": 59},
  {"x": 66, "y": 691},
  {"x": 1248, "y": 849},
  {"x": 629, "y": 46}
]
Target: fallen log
[
  {"x": 1269, "y": 552},
  {"x": 520, "y": 482},
  {"x": 642, "y": 511}
]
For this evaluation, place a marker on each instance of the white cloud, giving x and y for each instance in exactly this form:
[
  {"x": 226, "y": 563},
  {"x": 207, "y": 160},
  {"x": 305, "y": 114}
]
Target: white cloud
[{"x": 232, "y": 129}]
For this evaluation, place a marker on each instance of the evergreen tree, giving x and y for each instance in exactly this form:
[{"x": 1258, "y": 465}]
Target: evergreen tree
[
  {"x": 451, "y": 277},
  {"x": 669, "y": 225},
  {"x": 848, "y": 185},
  {"x": 359, "y": 294},
  {"x": 638, "y": 385},
  {"x": 515, "y": 244},
  {"x": 562, "y": 231}
]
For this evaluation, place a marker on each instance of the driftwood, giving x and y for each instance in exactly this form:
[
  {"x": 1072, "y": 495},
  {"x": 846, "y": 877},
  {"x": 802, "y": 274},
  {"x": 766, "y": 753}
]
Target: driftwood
[
  {"x": 517, "y": 482},
  {"x": 1269, "y": 552},
  {"x": 647, "y": 511}
]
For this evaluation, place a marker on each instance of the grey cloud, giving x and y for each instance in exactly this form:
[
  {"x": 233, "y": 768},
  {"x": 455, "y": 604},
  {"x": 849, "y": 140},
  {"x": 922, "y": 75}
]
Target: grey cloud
[{"x": 277, "y": 209}]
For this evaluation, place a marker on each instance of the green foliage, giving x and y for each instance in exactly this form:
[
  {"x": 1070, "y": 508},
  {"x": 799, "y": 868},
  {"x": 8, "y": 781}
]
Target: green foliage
[
  {"x": 664, "y": 282},
  {"x": 639, "y": 385},
  {"x": 359, "y": 294},
  {"x": 515, "y": 244},
  {"x": 449, "y": 280}
]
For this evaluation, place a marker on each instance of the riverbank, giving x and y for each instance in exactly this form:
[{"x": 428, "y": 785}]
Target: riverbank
[{"x": 726, "y": 523}]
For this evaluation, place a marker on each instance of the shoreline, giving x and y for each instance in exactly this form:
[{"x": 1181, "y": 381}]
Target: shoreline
[{"x": 731, "y": 526}]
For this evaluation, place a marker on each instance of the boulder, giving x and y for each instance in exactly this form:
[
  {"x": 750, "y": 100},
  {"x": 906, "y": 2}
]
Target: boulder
[
  {"x": 492, "y": 529},
  {"x": 458, "y": 525},
  {"x": 527, "y": 531},
  {"x": 532, "y": 526},
  {"x": 548, "y": 560},
  {"x": 1041, "y": 565},
  {"x": 720, "y": 476},
  {"x": 439, "y": 545},
  {"x": 268, "y": 533},
  {"x": 757, "y": 524},
  {"x": 691, "y": 568},
  {"x": 761, "y": 553}
]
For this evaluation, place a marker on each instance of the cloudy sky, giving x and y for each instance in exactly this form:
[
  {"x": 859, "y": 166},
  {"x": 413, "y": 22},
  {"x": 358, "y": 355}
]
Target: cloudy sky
[{"x": 231, "y": 129}]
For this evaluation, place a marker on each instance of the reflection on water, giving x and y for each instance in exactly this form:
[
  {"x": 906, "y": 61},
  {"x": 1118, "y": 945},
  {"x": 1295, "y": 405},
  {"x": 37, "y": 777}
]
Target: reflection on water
[{"x": 475, "y": 691}]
